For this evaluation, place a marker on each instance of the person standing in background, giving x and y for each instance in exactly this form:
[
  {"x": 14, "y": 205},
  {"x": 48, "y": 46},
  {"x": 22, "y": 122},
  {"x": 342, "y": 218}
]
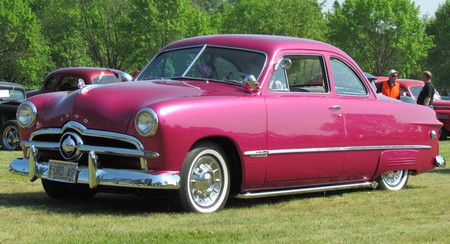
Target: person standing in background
[
  {"x": 426, "y": 95},
  {"x": 391, "y": 88}
]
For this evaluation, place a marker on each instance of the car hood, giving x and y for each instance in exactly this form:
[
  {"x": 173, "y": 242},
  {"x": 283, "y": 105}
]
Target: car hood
[{"x": 112, "y": 107}]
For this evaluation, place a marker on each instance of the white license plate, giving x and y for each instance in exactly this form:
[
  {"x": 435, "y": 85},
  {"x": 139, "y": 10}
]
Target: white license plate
[{"x": 62, "y": 171}]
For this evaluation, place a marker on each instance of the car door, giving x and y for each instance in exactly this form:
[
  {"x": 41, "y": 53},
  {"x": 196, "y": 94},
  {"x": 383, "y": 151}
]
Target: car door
[
  {"x": 305, "y": 126},
  {"x": 366, "y": 125}
]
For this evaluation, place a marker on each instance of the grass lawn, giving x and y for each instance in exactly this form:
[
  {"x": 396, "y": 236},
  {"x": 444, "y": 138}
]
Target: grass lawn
[{"x": 418, "y": 214}]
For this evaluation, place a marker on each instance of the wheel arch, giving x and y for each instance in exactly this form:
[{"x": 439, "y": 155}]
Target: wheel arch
[{"x": 234, "y": 160}]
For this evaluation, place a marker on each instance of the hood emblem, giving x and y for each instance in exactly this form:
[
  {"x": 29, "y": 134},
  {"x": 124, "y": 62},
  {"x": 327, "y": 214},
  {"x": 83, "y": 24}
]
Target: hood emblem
[{"x": 69, "y": 146}]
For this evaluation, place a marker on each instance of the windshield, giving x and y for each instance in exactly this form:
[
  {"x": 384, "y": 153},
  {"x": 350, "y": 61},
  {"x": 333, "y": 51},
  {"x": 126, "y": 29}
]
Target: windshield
[
  {"x": 11, "y": 94},
  {"x": 210, "y": 63},
  {"x": 105, "y": 79},
  {"x": 415, "y": 90}
]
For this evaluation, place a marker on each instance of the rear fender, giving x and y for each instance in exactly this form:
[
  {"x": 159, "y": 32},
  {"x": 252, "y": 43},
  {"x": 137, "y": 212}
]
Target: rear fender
[{"x": 397, "y": 160}]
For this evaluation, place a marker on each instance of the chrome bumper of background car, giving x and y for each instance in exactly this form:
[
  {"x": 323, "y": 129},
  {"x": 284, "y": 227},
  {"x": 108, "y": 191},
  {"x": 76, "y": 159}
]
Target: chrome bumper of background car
[
  {"x": 105, "y": 177},
  {"x": 439, "y": 161}
]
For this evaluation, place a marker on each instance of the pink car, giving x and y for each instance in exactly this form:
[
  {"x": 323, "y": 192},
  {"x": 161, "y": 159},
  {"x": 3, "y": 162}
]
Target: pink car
[
  {"x": 214, "y": 117},
  {"x": 411, "y": 89},
  {"x": 70, "y": 79}
]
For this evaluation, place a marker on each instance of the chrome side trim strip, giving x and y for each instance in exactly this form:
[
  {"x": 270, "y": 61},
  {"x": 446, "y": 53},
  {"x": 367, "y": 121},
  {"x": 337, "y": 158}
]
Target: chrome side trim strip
[
  {"x": 262, "y": 194},
  {"x": 105, "y": 177},
  {"x": 264, "y": 153}
]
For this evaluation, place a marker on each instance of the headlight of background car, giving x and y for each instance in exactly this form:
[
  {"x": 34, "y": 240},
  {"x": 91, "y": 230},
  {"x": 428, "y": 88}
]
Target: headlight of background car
[
  {"x": 26, "y": 114},
  {"x": 146, "y": 122}
]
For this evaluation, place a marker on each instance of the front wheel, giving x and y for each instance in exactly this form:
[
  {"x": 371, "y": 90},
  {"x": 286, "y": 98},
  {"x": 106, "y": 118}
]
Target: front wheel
[
  {"x": 205, "y": 179},
  {"x": 10, "y": 139},
  {"x": 393, "y": 180}
]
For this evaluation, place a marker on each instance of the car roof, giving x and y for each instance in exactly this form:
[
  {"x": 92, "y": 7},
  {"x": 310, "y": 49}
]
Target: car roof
[
  {"x": 410, "y": 82},
  {"x": 84, "y": 71},
  {"x": 265, "y": 43},
  {"x": 10, "y": 84},
  {"x": 404, "y": 82}
]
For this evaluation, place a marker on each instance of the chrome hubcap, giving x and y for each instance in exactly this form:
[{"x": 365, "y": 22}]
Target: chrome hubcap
[
  {"x": 393, "y": 178},
  {"x": 206, "y": 181}
]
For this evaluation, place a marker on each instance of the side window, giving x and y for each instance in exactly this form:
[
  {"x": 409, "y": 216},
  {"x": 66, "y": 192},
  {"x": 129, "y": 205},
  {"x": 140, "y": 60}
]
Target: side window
[
  {"x": 306, "y": 74},
  {"x": 50, "y": 84},
  {"x": 346, "y": 81},
  {"x": 278, "y": 82},
  {"x": 69, "y": 83}
]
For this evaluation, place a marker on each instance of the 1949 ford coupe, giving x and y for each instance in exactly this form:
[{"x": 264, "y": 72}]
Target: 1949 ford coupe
[{"x": 222, "y": 116}]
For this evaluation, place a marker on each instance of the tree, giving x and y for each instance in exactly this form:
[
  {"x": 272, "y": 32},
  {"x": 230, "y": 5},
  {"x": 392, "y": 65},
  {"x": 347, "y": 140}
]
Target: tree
[
  {"x": 438, "y": 56},
  {"x": 381, "y": 35},
  {"x": 62, "y": 27},
  {"x": 24, "y": 54},
  {"x": 105, "y": 27},
  {"x": 300, "y": 18},
  {"x": 155, "y": 24}
]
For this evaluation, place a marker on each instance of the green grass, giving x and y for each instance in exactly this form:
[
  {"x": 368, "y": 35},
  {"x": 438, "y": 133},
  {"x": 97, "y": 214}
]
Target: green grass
[{"x": 418, "y": 214}]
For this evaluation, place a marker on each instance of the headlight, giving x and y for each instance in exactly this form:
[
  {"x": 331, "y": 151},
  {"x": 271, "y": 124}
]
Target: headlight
[
  {"x": 146, "y": 122},
  {"x": 26, "y": 114}
]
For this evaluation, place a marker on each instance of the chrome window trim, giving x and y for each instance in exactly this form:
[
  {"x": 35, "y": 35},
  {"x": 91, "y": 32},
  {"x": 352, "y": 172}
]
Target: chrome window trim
[
  {"x": 264, "y": 153},
  {"x": 325, "y": 73},
  {"x": 193, "y": 61}
]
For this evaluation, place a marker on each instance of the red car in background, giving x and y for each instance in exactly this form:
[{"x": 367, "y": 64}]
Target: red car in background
[
  {"x": 410, "y": 88},
  {"x": 70, "y": 79}
]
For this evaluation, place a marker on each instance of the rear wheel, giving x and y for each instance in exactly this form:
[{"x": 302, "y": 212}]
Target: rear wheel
[
  {"x": 10, "y": 136},
  {"x": 393, "y": 180},
  {"x": 443, "y": 134},
  {"x": 205, "y": 179},
  {"x": 60, "y": 190}
]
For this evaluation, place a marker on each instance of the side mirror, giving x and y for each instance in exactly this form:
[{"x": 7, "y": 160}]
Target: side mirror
[
  {"x": 124, "y": 76},
  {"x": 250, "y": 84},
  {"x": 285, "y": 63}
]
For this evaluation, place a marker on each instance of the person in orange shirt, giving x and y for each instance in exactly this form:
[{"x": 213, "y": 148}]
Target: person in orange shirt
[{"x": 391, "y": 88}]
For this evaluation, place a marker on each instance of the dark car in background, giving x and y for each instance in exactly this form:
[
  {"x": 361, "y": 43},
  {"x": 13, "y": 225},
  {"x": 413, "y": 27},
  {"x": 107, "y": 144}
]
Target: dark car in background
[
  {"x": 11, "y": 95},
  {"x": 73, "y": 78}
]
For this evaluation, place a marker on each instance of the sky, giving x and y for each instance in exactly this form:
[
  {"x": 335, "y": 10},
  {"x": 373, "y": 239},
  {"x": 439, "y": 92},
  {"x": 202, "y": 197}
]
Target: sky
[{"x": 426, "y": 6}]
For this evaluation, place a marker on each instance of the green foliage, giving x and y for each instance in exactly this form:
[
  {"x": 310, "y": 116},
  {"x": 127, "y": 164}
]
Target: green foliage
[
  {"x": 299, "y": 18},
  {"x": 41, "y": 35},
  {"x": 381, "y": 35},
  {"x": 61, "y": 22},
  {"x": 23, "y": 49},
  {"x": 438, "y": 59}
]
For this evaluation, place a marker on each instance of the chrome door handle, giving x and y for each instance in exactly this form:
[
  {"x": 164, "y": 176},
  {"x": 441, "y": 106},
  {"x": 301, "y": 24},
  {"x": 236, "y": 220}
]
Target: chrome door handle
[{"x": 335, "y": 107}]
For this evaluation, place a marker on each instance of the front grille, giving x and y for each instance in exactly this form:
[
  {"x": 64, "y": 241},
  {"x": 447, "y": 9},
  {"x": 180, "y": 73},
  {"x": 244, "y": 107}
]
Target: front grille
[{"x": 114, "y": 150}]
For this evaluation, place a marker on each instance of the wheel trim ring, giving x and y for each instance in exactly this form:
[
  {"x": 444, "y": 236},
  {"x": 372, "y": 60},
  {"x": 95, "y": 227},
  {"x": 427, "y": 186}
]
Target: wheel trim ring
[
  {"x": 221, "y": 195},
  {"x": 6, "y": 137}
]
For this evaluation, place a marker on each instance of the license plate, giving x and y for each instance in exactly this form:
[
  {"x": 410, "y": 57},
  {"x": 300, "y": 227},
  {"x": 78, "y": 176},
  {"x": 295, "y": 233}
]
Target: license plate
[{"x": 62, "y": 171}]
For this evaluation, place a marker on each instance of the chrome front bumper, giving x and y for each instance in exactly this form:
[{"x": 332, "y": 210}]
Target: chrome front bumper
[{"x": 105, "y": 177}]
